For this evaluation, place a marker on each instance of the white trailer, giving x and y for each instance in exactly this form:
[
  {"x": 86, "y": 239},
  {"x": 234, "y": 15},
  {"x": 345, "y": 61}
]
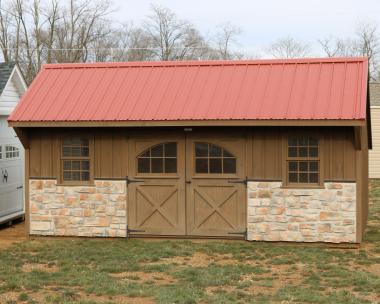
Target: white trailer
[{"x": 12, "y": 86}]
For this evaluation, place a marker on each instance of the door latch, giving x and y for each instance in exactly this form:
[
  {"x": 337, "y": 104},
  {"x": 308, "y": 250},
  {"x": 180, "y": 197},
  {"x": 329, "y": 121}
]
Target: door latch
[
  {"x": 239, "y": 181},
  {"x": 130, "y": 181}
]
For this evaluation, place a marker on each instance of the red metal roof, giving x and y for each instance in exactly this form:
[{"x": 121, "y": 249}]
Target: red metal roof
[{"x": 333, "y": 88}]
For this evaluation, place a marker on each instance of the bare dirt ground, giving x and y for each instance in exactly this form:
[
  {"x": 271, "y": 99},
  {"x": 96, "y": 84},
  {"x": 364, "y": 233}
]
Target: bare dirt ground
[{"x": 10, "y": 234}]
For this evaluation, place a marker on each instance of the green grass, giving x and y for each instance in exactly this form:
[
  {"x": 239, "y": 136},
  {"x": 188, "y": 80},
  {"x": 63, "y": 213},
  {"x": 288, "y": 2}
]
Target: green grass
[{"x": 258, "y": 273}]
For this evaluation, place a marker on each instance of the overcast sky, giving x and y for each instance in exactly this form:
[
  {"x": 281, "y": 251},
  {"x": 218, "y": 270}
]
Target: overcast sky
[{"x": 264, "y": 21}]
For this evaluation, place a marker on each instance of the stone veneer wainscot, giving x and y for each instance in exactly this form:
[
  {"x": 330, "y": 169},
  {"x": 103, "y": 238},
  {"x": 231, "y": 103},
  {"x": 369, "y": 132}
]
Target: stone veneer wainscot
[
  {"x": 301, "y": 215},
  {"x": 98, "y": 210}
]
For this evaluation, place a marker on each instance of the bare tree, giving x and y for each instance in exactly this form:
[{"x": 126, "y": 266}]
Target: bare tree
[
  {"x": 225, "y": 37},
  {"x": 34, "y": 32},
  {"x": 289, "y": 48},
  {"x": 365, "y": 42},
  {"x": 337, "y": 47},
  {"x": 171, "y": 38}
]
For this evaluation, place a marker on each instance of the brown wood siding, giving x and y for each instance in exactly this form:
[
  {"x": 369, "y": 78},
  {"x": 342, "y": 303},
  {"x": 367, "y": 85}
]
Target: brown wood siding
[
  {"x": 266, "y": 148},
  {"x": 110, "y": 153},
  {"x": 338, "y": 153},
  {"x": 264, "y": 151}
]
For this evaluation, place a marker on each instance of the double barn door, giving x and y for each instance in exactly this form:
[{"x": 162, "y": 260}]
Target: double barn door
[{"x": 187, "y": 185}]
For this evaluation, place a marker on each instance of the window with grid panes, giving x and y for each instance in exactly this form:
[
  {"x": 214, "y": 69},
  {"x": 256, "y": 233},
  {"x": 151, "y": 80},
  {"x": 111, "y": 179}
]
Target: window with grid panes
[
  {"x": 11, "y": 151},
  {"x": 212, "y": 159},
  {"x": 75, "y": 159},
  {"x": 303, "y": 161},
  {"x": 160, "y": 158}
]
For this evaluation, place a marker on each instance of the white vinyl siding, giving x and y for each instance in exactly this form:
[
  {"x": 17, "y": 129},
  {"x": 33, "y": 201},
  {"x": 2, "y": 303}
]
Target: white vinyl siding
[
  {"x": 374, "y": 154},
  {"x": 9, "y": 98}
]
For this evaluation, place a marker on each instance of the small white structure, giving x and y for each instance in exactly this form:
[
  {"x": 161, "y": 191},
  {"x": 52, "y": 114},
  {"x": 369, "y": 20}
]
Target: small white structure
[{"x": 12, "y": 86}]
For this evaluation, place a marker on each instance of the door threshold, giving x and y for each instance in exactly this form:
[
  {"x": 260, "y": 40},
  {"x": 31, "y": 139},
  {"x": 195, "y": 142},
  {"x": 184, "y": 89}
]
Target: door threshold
[{"x": 185, "y": 237}]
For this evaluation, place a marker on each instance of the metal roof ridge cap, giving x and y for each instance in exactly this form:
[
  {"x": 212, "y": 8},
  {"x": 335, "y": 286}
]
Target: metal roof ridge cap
[{"x": 203, "y": 62}]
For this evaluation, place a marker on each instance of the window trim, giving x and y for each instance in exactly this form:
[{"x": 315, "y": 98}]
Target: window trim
[
  {"x": 286, "y": 159},
  {"x": 61, "y": 181}
]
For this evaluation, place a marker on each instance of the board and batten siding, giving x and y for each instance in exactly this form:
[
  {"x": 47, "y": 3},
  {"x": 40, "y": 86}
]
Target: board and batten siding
[
  {"x": 110, "y": 154},
  {"x": 374, "y": 154},
  {"x": 264, "y": 150},
  {"x": 338, "y": 153}
]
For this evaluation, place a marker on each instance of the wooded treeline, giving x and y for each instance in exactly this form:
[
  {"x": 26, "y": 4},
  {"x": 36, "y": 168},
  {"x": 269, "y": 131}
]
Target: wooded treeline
[{"x": 34, "y": 32}]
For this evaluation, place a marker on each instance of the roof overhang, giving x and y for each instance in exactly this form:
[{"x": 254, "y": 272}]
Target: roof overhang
[{"x": 188, "y": 123}]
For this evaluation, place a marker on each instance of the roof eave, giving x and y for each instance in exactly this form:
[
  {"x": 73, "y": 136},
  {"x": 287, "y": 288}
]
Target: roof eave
[{"x": 191, "y": 123}]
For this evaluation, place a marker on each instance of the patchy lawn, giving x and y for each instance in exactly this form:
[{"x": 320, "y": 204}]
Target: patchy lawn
[{"x": 138, "y": 271}]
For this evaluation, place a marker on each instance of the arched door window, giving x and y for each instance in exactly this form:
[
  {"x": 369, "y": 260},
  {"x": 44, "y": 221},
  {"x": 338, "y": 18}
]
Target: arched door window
[
  {"x": 161, "y": 158},
  {"x": 212, "y": 159}
]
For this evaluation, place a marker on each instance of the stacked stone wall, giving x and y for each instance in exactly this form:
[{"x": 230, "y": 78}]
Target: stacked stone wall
[
  {"x": 98, "y": 210},
  {"x": 301, "y": 215}
]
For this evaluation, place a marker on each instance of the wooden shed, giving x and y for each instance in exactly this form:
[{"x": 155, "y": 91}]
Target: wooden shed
[{"x": 272, "y": 150}]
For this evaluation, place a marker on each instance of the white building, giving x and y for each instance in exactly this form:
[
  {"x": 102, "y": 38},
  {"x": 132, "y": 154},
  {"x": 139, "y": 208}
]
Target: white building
[{"x": 12, "y": 86}]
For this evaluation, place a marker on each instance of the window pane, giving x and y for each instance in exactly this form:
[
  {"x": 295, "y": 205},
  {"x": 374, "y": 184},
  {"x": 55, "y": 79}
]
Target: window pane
[
  {"x": 215, "y": 165},
  {"x": 293, "y": 166},
  {"x": 85, "y": 176},
  {"x": 201, "y": 165},
  {"x": 66, "y": 175},
  {"x": 229, "y": 165},
  {"x": 313, "y": 166},
  {"x": 303, "y": 141},
  {"x": 66, "y": 151},
  {"x": 313, "y": 142},
  {"x": 313, "y": 152},
  {"x": 157, "y": 165},
  {"x": 215, "y": 151},
  {"x": 158, "y": 151},
  {"x": 170, "y": 165},
  {"x": 84, "y": 142},
  {"x": 85, "y": 151},
  {"x": 293, "y": 177},
  {"x": 303, "y": 166},
  {"x": 75, "y": 165},
  {"x": 85, "y": 165},
  {"x": 292, "y": 152},
  {"x": 302, "y": 152},
  {"x": 171, "y": 150},
  {"x": 76, "y": 141},
  {"x": 66, "y": 165},
  {"x": 67, "y": 141},
  {"x": 303, "y": 178},
  {"x": 75, "y": 151},
  {"x": 201, "y": 149},
  {"x": 313, "y": 178},
  {"x": 75, "y": 175},
  {"x": 143, "y": 165},
  {"x": 292, "y": 142}
]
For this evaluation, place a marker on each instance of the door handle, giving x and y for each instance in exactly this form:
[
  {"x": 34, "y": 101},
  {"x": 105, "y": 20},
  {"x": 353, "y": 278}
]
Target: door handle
[
  {"x": 5, "y": 175},
  {"x": 20, "y": 187},
  {"x": 188, "y": 182}
]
